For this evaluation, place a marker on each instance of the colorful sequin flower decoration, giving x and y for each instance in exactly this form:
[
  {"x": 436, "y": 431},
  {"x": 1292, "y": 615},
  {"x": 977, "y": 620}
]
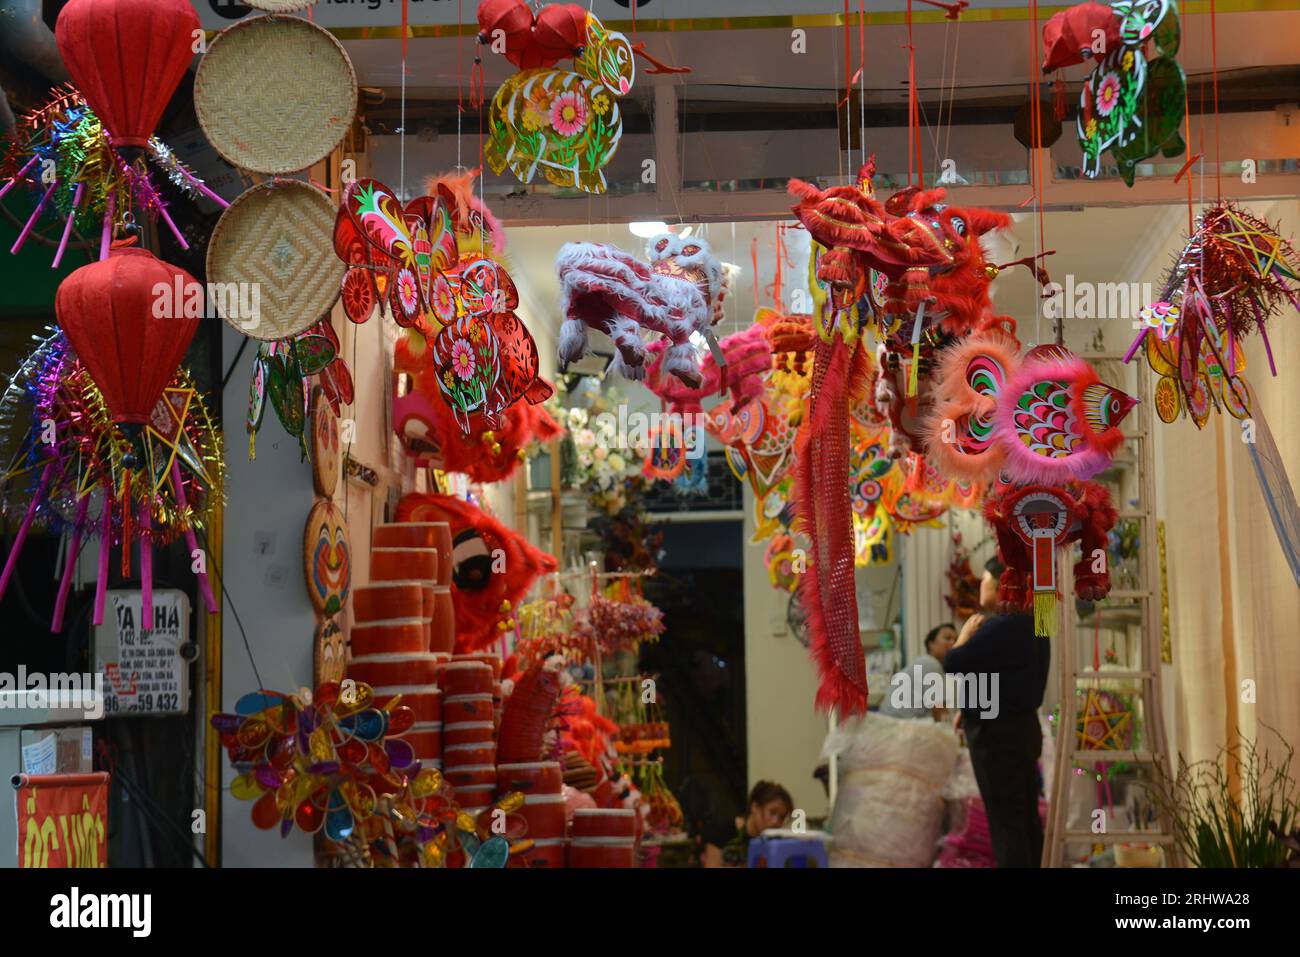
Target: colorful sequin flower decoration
[{"x": 63, "y": 156}]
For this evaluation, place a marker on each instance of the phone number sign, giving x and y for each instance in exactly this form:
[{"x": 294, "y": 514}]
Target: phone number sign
[{"x": 144, "y": 672}]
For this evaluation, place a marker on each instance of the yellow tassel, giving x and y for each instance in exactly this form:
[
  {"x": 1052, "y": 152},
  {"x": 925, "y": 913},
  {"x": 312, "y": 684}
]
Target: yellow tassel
[
  {"x": 1044, "y": 613},
  {"x": 252, "y": 446},
  {"x": 911, "y": 373}
]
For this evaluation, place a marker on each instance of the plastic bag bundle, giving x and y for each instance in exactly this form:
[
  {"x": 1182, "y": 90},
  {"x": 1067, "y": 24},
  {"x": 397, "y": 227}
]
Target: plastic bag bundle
[{"x": 889, "y": 807}]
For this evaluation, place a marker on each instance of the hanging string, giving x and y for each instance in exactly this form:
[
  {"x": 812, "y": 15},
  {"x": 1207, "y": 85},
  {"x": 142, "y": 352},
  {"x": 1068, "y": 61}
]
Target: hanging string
[
  {"x": 401, "y": 148},
  {"x": 914, "y": 161},
  {"x": 1214, "y": 66},
  {"x": 862, "y": 78},
  {"x": 460, "y": 89}
]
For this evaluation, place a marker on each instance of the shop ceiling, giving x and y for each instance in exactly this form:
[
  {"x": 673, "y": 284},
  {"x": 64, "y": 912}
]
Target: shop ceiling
[{"x": 749, "y": 91}]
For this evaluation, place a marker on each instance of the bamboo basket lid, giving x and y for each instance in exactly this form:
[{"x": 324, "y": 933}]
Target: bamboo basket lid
[
  {"x": 275, "y": 94},
  {"x": 277, "y": 237},
  {"x": 279, "y": 6}
]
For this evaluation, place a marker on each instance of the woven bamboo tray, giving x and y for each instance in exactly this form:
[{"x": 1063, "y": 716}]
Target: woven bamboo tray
[
  {"x": 279, "y": 6},
  {"x": 275, "y": 94},
  {"x": 278, "y": 235}
]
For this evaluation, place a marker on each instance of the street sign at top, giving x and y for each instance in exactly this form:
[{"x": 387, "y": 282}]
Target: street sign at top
[{"x": 359, "y": 14}]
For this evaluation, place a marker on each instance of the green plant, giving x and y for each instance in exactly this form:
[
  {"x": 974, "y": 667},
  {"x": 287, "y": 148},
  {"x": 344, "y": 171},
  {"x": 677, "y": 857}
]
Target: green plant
[{"x": 1213, "y": 827}]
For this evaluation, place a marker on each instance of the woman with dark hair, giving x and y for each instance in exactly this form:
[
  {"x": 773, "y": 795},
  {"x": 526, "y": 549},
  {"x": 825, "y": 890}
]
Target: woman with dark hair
[
  {"x": 769, "y": 805},
  {"x": 907, "y": 687}
]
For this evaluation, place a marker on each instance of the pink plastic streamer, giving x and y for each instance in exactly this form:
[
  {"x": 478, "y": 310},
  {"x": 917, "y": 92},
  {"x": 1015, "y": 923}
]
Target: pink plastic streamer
[
  {"x": 1268, "y": 350},
  {"x": 67, "y": 227},
  {"x": 105, "y": 546},
  {"x": 36, "y": 214},
  {"x": 47, "y": 476},
  {"x": 162, "y": 211},
  {"x": 205, "y": 586},
  {"x": 146, "y": 567},
  {"x": 106, "y": 236},
  {"x": 1141, "y": 337},
  {"x": 4, "y": 190},
  {"x": 70, "y": 567}
]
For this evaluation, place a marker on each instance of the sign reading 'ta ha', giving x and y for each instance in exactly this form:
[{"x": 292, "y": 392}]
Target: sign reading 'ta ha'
[{"x": 143, "y": 668}]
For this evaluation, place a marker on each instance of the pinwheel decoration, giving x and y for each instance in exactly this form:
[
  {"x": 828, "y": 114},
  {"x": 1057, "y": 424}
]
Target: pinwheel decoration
[{"x": 317, "y": 760}]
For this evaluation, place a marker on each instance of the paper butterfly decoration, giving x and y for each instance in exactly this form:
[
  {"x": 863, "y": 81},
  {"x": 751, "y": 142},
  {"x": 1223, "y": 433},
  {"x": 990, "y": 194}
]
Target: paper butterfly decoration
[
  {"x": 564, "y": 122},
  {"x": 1044, "y": 418},
  {"x": 1129, "y": 105},
  {"x": 431, "y": 435},
  {"x": 1233, "y": 275},
  {"x": 606, "y": 289},
  {"x": 484, "y": 357}
]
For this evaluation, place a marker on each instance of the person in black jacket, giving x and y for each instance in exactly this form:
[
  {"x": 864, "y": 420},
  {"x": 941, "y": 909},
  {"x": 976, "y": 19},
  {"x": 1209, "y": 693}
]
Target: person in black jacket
[{"x": 1005, "y": 740}]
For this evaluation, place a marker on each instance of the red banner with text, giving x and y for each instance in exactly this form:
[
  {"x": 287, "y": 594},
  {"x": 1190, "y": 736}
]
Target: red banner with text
[{"x": 62, "y": 820}]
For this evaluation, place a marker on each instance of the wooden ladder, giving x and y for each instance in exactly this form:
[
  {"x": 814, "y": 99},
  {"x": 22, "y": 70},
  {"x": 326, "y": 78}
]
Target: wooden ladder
[{"x": 1147, "y": 601}]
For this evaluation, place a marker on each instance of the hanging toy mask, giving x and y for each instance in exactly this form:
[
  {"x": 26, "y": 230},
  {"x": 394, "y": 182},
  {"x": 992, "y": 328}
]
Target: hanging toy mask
[{"x": 1031, "y": 522}]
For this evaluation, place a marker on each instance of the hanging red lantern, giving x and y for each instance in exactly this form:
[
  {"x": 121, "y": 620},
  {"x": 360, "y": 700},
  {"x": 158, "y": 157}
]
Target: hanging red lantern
[
  {"x": 127, "y": 57},
  {"x": 127, "y": 319}
]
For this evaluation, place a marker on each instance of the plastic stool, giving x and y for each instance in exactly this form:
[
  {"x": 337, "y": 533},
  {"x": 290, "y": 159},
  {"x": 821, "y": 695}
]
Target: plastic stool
[{"x": 787, "y": 852}]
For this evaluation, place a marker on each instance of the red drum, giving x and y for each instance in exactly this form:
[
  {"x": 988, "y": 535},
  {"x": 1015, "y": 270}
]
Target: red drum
[
  {"x": 395, "y": 637},
  {"x": 426, "y": 612},
  {"x": 604, "y": 823},
  {"x": 465, "y": 678},
  {"x": 545, "y": 816},
  {"x": 485, "y": 658},
  {"x": 424, "y": 700},
  {"x": 536, "y": 777},
  {"x": 467, "y": 707},
  {"x": 384, "y": 670},
  {"x": 405, "y": 535},
  {"x": 469, "y": 732},
  {"x": 388, "y": 600},
  {"x": 442, "y": 541},
  {"x": 586, "y": 852},
  {"x": 473, "y": 800},
  {"x": 425, "y": 740},
  {"x": 476, "y": 754},
  {"x": 547, "y": 853},
  {"x": 442, "y": 635},
  {"x": 473, "y": 776},
  {"x": 403, "y": 564}
]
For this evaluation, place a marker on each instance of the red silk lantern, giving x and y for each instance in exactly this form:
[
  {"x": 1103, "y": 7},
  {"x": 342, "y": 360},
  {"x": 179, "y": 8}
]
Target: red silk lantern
[
  {"x": 126, "y": 318},
  {"x": 1069, "y": 36},
  {"x": 127, "y": 57},
  {"x": 556, "y": 33}
]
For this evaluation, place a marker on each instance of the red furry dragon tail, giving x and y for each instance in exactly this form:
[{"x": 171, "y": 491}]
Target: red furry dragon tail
[{"x": 827, "y": 591}]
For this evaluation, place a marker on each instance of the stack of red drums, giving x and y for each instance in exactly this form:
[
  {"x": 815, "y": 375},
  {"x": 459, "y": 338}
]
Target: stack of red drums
[
  {"x": 402, "y": 632},
  {"x": 603, "y": 837},
  {"x": 541, "y": 783},
  {"x": 470, "y": 746}
]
